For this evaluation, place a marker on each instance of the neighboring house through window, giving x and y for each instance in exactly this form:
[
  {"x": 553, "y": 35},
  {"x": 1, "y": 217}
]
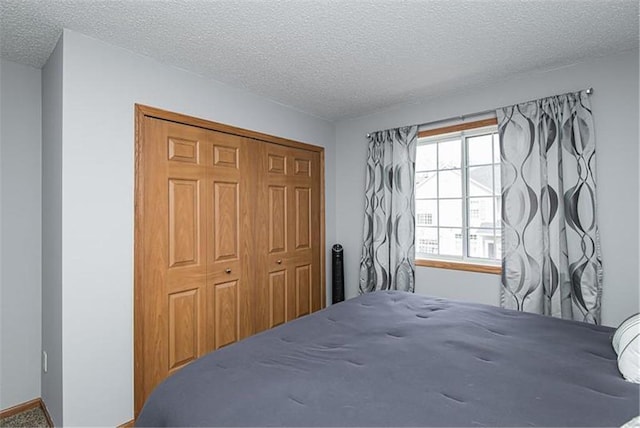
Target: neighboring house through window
[
  {"x": 424, "y": 219},
  {"x": 457, "y": 192},
  {"x": 428, "y": 246}
]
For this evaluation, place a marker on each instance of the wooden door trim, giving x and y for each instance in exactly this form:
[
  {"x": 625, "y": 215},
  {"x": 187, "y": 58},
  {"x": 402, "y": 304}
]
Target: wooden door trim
[
  {"x": 142, "y": 112},
  {"x": 138, "y": 262},
  {"x": 323, "y": 295},
  {"x": 221, "y": 127}
]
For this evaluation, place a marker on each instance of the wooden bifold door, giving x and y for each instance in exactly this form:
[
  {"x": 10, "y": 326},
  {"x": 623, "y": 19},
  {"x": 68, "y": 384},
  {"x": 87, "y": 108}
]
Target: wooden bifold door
[
  {"x": 229, "y": 239},
  {"x": 288, "y": 235}
]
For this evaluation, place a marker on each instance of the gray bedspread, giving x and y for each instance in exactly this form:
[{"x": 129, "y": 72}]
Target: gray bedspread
[{"x": 399, "y": 359}]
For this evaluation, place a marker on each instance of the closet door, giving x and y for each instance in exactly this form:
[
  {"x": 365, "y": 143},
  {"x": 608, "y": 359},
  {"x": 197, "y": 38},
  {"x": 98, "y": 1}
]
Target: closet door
[
  {"x": 196, "y": 226},
  {"x": 229, "y": 225},
  {"x": 227, "y": 239},
  {"x": 289, "y": 242}
]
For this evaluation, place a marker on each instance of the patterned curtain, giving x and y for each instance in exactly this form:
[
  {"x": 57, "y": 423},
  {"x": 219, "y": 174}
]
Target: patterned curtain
[
  {"x": 551, "y": 253},
  {"x": 388, "y": 250}
]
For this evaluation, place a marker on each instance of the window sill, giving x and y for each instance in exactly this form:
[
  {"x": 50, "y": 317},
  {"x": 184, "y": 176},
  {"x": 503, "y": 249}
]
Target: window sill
[{"x": 469, "y": 267}]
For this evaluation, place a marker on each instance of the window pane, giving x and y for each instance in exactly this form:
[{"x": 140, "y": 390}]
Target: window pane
[
  {"x": 426, "y": 157},
  {"x": 450, "y": 183},
  {"x": 480, "y": 149},
  {"x": 480, "y": 179},
  {"x": 482, "y": 243},
  {"x": 426, "y": 212},
  {"x": 458, "y": 197},
  {"x": 451, "y": 242},
  {"x": 426, "y": 185},
  {"x": 496, "y": 148},
  {"x": 451, "y": 212},
  {"x": 426, "y": 240},
  {"x": 449, "y": 154},
  {"x": 481, "y": 212}
]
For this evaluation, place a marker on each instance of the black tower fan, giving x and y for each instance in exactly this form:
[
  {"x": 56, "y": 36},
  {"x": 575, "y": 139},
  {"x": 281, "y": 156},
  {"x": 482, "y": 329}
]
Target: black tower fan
[{"x": 337, "y": 290}]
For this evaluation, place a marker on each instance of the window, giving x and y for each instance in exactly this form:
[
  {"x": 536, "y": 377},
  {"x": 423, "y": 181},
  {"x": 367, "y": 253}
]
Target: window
[{"x": 457, "y": 188}]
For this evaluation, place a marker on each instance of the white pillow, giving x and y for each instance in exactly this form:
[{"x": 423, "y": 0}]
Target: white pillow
[
  {"x": 626, "y": 343},
  {"x": 633, "y": 423}
]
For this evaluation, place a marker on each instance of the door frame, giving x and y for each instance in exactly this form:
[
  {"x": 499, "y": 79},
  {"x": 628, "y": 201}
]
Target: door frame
[{"x": 142, "y": 112}]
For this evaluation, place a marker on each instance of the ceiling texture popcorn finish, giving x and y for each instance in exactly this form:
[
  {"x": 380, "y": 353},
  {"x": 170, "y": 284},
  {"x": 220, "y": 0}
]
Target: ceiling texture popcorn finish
[{"x": 335, "y": 59}]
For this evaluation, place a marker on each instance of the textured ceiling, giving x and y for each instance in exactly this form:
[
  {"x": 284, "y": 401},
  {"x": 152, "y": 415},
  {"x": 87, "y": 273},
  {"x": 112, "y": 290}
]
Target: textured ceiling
[{"x": 335, "y": 59}]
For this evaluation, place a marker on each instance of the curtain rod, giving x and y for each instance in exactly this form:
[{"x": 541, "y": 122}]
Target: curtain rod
[{"x": 462, "y": 117}]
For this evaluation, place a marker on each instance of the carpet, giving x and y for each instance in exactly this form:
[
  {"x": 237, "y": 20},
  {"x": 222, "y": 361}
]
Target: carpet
[{"x": 29, "y": 418}]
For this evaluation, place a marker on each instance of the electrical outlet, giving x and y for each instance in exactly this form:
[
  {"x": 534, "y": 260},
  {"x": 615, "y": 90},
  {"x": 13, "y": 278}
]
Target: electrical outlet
[{"x": 44, "y": 361}]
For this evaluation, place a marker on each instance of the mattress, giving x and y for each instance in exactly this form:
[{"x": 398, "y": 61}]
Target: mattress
[{"x": 399, "y": 359}]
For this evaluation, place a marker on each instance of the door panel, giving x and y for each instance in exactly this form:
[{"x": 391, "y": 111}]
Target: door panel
[
  {"x": 229, "y": 227},
  {"x": 302, "y": 167},
  {"x": 290, "y": 189},
  {"x": 184, "y": 230},
  {"x": 277, "y": 164},
  {"x": 183, "y": 328},
  {"x": 277, "y": 219},
  {"x": 225, "y": 220},
  {"x": 223, "y": 314},
  {"x": 183, "y": 150},
  {"x": 303, "y": 290},
  {"x": 225, "y": 156},
  {"x": 226, "y": 313},
  {"x": 303, "y": 217},
  {"x": 195, "y": 230},
  {"x": 277, "y": 297},
  {"x": 174, "y": 239}
]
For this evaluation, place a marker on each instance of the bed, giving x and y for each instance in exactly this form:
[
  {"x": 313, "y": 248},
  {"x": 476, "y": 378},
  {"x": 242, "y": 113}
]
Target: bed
[{"x": 400, "y": 359}]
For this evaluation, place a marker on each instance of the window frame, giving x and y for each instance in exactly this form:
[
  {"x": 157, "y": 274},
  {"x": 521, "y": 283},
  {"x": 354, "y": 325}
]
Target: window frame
[{"x": 462, "y": 131}]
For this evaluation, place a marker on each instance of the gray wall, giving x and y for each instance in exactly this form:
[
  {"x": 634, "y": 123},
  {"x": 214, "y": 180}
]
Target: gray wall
[
  {"x": 615, "y": 107},
  {"x": 20, "y": 181},
  {"x": 101, "y": 85},
  {"x": 52, "y": 231}
]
